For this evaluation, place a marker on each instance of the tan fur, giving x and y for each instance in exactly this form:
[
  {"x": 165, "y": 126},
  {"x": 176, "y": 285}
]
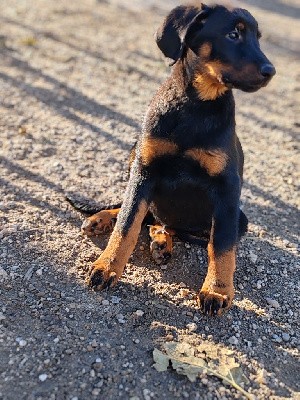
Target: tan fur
[
  {"x": 205, "y": 50},
  {"x": 219, "y": 279},
  {"x": 213, "y": 161},
  {"x": 152, "y": 148},
  {"x": 119, "y": 248},
  {"x": 208, "y": 82},
  {"x": 104, "y": 220}
]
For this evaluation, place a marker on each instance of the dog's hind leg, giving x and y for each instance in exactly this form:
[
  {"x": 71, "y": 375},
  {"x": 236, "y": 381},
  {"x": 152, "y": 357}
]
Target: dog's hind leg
[{"x": 161, "y": 243}]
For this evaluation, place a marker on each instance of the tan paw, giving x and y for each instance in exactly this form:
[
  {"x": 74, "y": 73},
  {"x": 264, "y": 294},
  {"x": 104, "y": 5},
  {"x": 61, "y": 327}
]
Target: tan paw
[
  {"x": 102, "y": 222},
  {"x": 101, "y": 277},
  {"x": 213, "y": 303},
  {"x": 161, "y": 245}
]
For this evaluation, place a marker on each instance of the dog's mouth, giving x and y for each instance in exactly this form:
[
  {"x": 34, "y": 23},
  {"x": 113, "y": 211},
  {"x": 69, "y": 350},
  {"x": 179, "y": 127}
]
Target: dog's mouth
[{"x": 247, "y": 85}]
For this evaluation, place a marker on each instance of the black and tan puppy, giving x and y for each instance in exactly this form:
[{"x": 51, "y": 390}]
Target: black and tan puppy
[{"x": 187, "y": 167}]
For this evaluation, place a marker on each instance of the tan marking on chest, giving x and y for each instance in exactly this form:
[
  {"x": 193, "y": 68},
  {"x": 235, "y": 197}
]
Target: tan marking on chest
[
  {"x": 152, "y": 148},
  {"x": 213, "y": 161}
]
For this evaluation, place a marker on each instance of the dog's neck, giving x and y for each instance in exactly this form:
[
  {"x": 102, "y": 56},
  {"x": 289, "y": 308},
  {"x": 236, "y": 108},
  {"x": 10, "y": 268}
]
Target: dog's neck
[{"x": 205, "y": 77}]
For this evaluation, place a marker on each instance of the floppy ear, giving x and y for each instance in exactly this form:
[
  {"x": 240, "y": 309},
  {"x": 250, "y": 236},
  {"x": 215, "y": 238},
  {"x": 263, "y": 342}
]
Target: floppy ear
[{"x": 170, "y": 37}]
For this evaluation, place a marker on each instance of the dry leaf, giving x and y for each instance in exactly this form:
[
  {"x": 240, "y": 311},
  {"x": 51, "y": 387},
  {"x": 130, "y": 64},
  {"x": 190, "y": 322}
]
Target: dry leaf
[{"x": 182, "y": 358}]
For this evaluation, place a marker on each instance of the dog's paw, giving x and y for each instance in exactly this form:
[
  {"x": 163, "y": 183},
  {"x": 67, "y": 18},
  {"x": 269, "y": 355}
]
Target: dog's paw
[
  {"x": 161, "y": 244},
  {"x": 102, "y": 222},
  {"x": 159, "y": 252},
  {"x": 213, "y": 303},
  {"x": 101, "y": 277}
]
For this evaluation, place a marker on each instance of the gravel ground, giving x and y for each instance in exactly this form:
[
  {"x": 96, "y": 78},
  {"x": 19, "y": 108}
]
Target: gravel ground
[{"x": 76, "y": 78}]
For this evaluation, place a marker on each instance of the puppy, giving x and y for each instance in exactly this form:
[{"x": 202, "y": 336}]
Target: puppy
[{"x": 187, "y": 167}]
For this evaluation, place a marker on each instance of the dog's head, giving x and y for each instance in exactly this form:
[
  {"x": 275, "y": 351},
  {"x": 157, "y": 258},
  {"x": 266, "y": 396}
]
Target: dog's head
[{"x": 223, "y": 45}]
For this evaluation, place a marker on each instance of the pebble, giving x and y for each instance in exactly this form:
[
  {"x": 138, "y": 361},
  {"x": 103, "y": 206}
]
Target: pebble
[
  {"x": 192, "y": 327},
  {"x": 272, "y": 302},
  {"x": 114, "y": 300},
  {"x": 2, "y": 316},
  {"x": 94, "y": 343},
  {"x": 253, "y": 257},
  {"x": 21, "y": 342},
  {"x": 258, "y": 284},
  {"x": 233, "y": 340},
  {"x": 121, "y": 319},
  {"x": 39, "y": 272},
  {"x": 276, "y": 338},
  {"x": 105, "y": 302},
  {"x": 139, "y": 313},
  {"x": 3, "y": 273},
  {"x": 286, "y": 337},
  {"x": 43, "y": 377}
]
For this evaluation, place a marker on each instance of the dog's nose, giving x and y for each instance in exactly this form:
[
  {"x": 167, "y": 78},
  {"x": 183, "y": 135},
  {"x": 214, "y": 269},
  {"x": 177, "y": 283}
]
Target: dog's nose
[{"x": 268, "y": 70}]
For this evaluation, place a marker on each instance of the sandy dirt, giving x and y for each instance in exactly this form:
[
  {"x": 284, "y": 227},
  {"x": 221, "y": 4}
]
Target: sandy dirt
[{"x": 76, "y": 78}]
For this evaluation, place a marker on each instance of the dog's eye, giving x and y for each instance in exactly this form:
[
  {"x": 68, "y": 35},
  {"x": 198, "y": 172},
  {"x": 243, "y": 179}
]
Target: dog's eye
[{"x": 234, "y": 35}]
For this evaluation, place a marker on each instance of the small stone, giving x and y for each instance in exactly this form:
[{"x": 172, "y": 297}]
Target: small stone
[
  {"x": 43, "y": 377},
  {"x": 105, "y": 302},
  {"x": 94, "y": 343},
  {"x": 3, "y": 273},
  {"x": 22, "y": 343},
  {"x": 253, "y": 257},
  {"x": 98, "y": 360},
  {"x": 2, "y": 316},
  {"x": 69, "y": 351},
  {"x": 262, "y": 376},
  {"x": 182, "y": 285},
  {"x": 114, "y": 300},
  {"x": 22, "y": 130},
  {"x": 163, "y": 267},
  {"x": 39, "y": 272},
  {"x": 262, "y": 233},
  {"x": 258, "y": 284},
  {"x": 286, "y": 337},
  {"x": 272, "y": 302},
  {"x": 184, "y": 293},
  {"x": 121, "y": 319},
  {"x": 192, "y": 327},
  {"x": 96, "y": 392},
  {"x": 142, "y": 248},
  {"x": 187, "y": 245},
  {"x": 139, "y": 313},
  {"x": 276, "y": 338},
  {"x": 233, "y": 340}
]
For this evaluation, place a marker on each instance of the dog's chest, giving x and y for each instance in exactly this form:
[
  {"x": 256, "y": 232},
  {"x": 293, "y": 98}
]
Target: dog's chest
[{"x": 155, "y": 151}]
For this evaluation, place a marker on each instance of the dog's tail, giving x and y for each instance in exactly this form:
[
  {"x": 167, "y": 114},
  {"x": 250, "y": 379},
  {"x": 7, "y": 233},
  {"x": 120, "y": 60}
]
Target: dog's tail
[{"x": 88, "y": 207}]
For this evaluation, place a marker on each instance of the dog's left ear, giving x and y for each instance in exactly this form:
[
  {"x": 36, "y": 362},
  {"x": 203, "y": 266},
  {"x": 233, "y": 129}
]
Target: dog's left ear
[{"x": 171, "y": 36}]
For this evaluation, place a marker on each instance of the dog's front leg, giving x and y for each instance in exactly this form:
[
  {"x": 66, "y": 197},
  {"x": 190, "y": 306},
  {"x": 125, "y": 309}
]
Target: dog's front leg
[
  {"x": 110, "y": 265},
  {"x": 217, "y": 291}
]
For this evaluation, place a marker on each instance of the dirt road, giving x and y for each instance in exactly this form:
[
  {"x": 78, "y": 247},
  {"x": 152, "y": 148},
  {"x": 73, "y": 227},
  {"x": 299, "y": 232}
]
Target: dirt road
[{"x": 75, "y": 80}]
